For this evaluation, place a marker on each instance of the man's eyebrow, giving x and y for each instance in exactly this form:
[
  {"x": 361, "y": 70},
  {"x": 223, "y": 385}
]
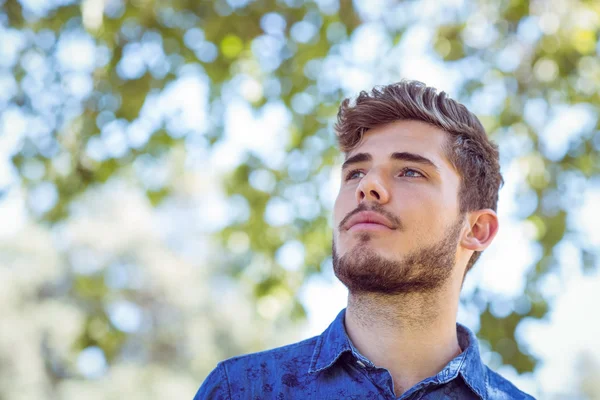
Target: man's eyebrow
[
  {"x": 416, "y": 158},
  {"x": 357, "y": 158},
  {"x": 402, "y": 156}
]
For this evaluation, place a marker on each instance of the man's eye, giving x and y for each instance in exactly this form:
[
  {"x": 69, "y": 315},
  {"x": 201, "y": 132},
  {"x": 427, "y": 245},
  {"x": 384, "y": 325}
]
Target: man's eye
[
  {"x": 409, "y": 170},
  {"x": 351, "y": 175}
]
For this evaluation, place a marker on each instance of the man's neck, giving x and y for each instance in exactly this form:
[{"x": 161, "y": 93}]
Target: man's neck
[{"x": 413, "y": 336}]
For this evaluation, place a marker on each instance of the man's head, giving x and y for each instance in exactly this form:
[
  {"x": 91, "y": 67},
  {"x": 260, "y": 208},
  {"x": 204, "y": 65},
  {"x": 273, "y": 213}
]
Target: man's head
[{"x": 423, "y": 163}]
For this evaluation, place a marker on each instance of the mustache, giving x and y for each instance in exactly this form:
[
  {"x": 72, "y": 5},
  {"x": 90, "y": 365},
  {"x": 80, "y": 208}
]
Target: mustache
[{"x": 375, "y": 208}]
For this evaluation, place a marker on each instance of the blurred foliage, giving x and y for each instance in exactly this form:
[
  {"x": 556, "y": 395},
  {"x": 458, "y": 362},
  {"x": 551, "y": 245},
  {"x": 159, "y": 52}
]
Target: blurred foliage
[{"x": 536, "y": 54}]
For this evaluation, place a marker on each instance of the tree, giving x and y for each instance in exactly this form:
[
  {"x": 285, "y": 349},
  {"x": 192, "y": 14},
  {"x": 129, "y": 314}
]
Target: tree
[{"x": 93, "y": 89}]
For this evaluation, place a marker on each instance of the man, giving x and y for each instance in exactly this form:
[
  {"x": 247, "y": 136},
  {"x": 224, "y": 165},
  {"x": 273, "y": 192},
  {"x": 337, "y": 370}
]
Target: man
[{"x": 416, "y": 207}]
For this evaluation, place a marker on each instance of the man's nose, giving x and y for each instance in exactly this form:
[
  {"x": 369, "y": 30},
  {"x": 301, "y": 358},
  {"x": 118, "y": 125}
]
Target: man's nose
[{"x": 372, "y": 188}]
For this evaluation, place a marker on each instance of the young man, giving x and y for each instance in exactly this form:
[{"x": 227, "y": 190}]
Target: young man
[{"x": 416, "y": 207}]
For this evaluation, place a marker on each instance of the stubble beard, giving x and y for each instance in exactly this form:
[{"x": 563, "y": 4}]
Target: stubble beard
[{"x": 363, "y": 270}]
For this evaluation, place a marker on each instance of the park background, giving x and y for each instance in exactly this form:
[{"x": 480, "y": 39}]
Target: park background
[{"x": 168, "y": 170}]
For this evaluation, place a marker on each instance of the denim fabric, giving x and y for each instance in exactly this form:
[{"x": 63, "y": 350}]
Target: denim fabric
[{"x": 329, "y": 367}]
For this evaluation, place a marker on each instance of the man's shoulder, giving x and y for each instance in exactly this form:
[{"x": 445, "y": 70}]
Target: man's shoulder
[
  {"x": 282, "y": 370},
  {"x": 297, "y": 353},
  {"x": 500, "y": 388}
]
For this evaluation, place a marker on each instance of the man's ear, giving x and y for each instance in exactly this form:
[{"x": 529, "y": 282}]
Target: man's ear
[{"x": 483, "y": 228}]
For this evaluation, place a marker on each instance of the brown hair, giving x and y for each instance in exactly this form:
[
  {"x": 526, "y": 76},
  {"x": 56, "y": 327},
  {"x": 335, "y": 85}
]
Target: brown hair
[{"x": 468, "y": 148}]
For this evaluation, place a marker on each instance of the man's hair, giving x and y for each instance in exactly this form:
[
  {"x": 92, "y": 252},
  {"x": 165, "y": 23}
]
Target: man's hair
[{"x": 468, "y": 148}]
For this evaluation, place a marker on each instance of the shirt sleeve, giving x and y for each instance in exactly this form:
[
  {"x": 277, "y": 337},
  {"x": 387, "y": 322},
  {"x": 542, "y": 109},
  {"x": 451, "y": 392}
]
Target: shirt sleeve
[{"x": 215, "y": 386}]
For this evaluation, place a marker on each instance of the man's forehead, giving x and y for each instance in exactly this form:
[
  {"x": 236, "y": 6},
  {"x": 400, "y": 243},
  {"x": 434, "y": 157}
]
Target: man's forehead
[
  {"x": 409, "y": 137},
  {"x": 405, "y": 135},
  {"x": 386, "y": 149}
]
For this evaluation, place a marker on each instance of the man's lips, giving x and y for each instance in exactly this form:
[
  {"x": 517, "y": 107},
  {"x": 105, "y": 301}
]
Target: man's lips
[
  {"x": 368, "y": 226},
  {"x": 369, "y": 220}
]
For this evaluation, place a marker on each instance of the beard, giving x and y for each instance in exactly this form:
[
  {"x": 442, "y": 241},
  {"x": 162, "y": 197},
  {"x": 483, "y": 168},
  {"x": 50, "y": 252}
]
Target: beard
[{"x": 363, "y": 270}]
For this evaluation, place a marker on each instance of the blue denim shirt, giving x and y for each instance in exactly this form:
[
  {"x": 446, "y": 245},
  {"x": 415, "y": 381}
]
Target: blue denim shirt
[{"x": 329, "y": 367}]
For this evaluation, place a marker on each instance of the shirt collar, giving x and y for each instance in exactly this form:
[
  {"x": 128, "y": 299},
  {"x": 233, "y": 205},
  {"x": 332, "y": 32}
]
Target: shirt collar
[
  {"x": 331, "y": 344},
  {"x": 334, "y": 342},
  {"x": 472, "y": 369}
]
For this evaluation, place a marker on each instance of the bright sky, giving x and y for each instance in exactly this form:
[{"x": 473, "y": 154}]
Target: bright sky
[{"x": 566, "y": 331}]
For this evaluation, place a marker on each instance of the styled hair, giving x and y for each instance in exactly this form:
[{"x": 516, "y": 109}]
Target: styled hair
[{"x": 467, "y": 148}]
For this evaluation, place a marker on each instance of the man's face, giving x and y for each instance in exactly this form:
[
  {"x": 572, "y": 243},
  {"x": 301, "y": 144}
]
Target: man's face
[{"x": 399, "y": 173}]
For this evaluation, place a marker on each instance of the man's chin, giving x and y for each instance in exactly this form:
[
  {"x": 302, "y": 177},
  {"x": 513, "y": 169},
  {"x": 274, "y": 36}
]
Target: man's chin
[
  {"x": 370, "y": 272},
  {"x": 371, "y": 252}
]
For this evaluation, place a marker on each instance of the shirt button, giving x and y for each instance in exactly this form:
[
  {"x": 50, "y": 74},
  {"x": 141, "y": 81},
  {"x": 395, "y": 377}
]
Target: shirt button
[{"x": 360, "y": 364}]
